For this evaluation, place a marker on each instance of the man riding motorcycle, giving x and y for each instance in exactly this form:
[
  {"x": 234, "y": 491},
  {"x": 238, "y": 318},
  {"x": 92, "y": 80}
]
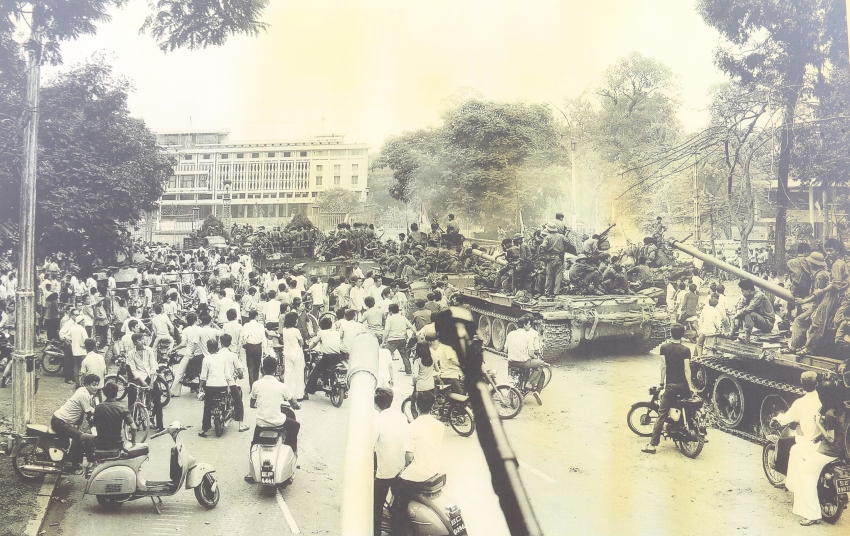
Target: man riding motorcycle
[
  {"x": 267, "y": 395},
  {"x": 676, "y": 378},
  {"x": 67, "y": 419}
]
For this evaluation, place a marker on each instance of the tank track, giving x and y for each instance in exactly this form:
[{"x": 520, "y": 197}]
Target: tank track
[
  {"x": 553, "y": 343},
  {"x": 713, "y": 422},
  {"x": 722, "y": 365}
]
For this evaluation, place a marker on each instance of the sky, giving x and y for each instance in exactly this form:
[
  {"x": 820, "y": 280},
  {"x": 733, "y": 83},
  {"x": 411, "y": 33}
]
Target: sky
[{"x": 371, "y": 69}]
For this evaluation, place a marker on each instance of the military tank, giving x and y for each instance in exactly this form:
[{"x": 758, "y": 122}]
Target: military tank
[
  {"x": 748, "y": 383},
  {"x": 568, "y": 321}
]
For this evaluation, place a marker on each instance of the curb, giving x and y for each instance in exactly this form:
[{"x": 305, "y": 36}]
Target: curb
[{"x": 42, "y": 503}]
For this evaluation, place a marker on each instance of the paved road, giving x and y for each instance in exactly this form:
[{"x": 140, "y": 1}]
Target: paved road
[{"x": 581, "y": 465}]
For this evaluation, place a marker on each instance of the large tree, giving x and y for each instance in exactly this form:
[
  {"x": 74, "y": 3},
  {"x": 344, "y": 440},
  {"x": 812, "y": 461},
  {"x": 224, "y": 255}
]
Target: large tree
[
  {"x": 476, "y": 163},
  {"x": 98, "y": 167},
  {"x": 786, "y": 46}
]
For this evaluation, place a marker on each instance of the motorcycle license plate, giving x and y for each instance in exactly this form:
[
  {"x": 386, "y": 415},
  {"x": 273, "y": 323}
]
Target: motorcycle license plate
[
  {"x": 842, "y": 485},
  {"x": 267, "y": 477},
  {"x": 458, "y": 528}
]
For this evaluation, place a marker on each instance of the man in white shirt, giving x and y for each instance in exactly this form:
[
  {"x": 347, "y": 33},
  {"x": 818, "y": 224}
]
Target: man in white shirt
[
  {"x": 300, "y": 281},
  {"x": 349, "y": 328},
  {"x": 234, "y": 329},
  {"x": 710, "y": 323},
  {"x": 225, "y": 304},
  {"x": 357, "y": 296},
  {"x": 142, "y": 371},
  {"x": 342, "y": 293},
  {"x": 200, "y": 293},
  {"x": 520, "y": 349},
  {"x": 216, "y": 377},
  {"x": 255, "y": 342},
  {"x": 249, "y": 303},
  {"x": 191, "y": 342},
  {"x": 267, "y": 395},
  {"x": 272, "y": 312},
  {"x": 161, "y": 327},
  {"x": 393, "y": 447},
  {"x": 395, "y": 336},
  {"x": 75, "y": 334},
  {"x": 805, "y": 411},
  {"x": 317, "y": 293},
  {"x": 426, "y": 432},
  {"x": 93, "y": 363},
  {"x": 238, "y": 369}
]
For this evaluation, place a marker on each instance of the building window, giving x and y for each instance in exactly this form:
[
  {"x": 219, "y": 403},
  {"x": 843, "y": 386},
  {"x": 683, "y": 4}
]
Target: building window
[
  {"x": 355, "y": 168},
  {"x": 169, "y": 197},
  {"x": 240, "y": 155},
  {"x": 202, "y": 181},
  {"x": 354, "y": 180},
  {"x": 206, "y": 157},
  {"x": 187, "y": 157},
  {"x": 287, "y": 154},
  {"x": 224, "y": 156},
  {"x": 255, "y": 155},
  {"x": 187, "y": 181},
  {"x": 318, "y": 180},
  {"x": 271, "y": 155},
  {"x": 315, "y": 194},
  {"x": 319, "y": 168},
  {"x": 320, "y": 153},
  {"x": 336, "y": 180},
  {"x": 302, "y": 154},
  {"x": 172, "y": 181}
]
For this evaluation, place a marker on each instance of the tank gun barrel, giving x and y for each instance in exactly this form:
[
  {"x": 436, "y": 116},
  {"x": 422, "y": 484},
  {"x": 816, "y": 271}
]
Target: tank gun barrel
[
  {"x": 486, "y": 257},
  {"x": 773, "y": 288}
]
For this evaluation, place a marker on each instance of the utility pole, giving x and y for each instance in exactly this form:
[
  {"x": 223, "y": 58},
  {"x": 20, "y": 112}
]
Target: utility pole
[
  {"x": 696, "y": 203},
  {"x": 23, "y": 369}
]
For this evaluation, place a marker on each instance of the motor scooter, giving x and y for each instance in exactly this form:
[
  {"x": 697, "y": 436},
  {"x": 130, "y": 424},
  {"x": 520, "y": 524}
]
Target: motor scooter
[
  {"x": 834, "y": 479},
  {"x": 273, "y": 461},
  {"x": 7, "y": 347},
  {"x": 115, "y": 478},
  {"x": 427, "y": 514},
  {"x": 40, "y": 452}
]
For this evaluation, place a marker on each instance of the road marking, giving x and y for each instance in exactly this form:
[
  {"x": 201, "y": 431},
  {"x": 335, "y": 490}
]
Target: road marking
[
  {"x": 531, "y": 469},
  {"x": 286, "y": 513}
]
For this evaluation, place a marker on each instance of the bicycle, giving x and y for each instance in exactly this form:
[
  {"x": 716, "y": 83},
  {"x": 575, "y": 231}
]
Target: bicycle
[
  {"x": 140, "y": 413},
  {"x": 121, "y": 379}
]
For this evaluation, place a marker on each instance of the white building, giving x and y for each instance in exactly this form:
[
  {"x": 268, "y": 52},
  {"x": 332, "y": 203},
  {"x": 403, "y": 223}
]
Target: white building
[{"x": 269, "y": 181}]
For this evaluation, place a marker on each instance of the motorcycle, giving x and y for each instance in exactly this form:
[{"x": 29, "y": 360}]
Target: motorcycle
[
  {"x": 518, "y": 378},
  {"x": 222, "y": 411},
  {"x": 506, "y": 398},
  {"x": 428, "y": 513},
  {"x": 165, "y": 363},
  {"x": 833, "y": 482},
  {"x": 115, "y": 478},
  {"x": 53, "y": 357},
  {"x": 333, "y": 382},
  {"x": 121, "y": 379},
  {"x": 272, "y": 460},
  {"x": 685, "y": 424},
  {"x": 40, "y": 452},
  {"x": 449, "y": 407}
]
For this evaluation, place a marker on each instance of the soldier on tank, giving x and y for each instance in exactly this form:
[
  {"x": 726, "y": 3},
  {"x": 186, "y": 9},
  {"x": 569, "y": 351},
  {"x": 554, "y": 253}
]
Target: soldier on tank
[
  {"x": 553, "y": 248},
  {"x": 585, "y": 278},
  {"x": 504, "y": 278}
]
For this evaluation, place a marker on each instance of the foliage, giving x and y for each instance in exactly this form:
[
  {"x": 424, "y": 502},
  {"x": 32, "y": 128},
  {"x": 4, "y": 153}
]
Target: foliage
[
  {"x": 195, "y": 24},
  {"x": 472, "y": 163},
  {"x": 213, "y": 226},
  {"x": 97, "y": 166},
  {"x": 297, "y": 221},
  {"x": 338, "y": 200},
  {"x": 785, "y": 46}
]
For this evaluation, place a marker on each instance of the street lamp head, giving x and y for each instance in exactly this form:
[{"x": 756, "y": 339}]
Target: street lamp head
[{"x": 573, "y": 145}]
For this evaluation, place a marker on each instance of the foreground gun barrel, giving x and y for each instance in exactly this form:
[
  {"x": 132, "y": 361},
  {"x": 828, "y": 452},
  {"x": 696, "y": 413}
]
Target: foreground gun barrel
[
  {"x": 773, "y": 288},
  {"x": 358, "y": 467},
  {"x": 479, "y": 253}
]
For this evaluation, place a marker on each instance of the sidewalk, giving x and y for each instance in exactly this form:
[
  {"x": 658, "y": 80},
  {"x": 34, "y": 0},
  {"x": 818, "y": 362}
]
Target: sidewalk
[{"x": 19, "y": 501}]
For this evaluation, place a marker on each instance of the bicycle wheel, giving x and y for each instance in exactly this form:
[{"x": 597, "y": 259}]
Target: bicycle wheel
[
  {"x": 337, "y": 395},
  {"x": 546, "y": 370},
  {"x": 120, "y": 382},
  {"x": 409, "y": 410},
  {"x": 508, "y": 401},
  {"x": 142, "y": 420},
  {"x": 164, "y": 392},
  {"x": 461, "y": 421}
]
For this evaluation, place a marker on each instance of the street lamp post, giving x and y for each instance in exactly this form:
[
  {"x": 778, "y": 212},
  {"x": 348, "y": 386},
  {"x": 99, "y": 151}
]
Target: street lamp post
[
  {"x": 196, "y": 215},
  {"x": 226, "y": 213}
]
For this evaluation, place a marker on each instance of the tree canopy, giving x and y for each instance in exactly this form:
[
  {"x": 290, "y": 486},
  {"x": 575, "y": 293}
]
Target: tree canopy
[{"x": 97, "y": 166}]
